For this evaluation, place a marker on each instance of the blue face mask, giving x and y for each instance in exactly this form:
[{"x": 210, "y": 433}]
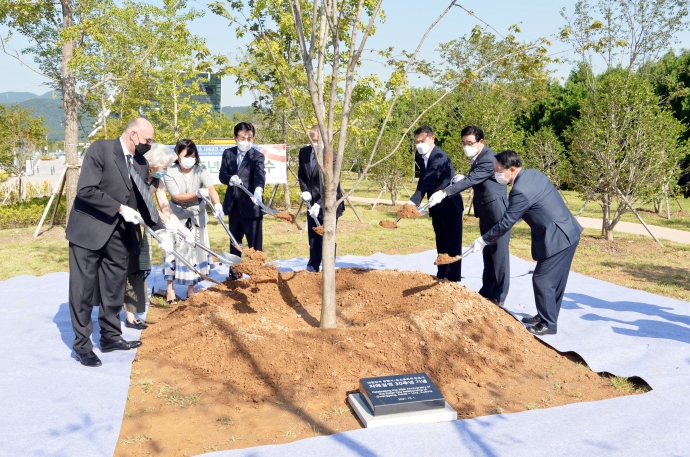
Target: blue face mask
[{"x": 159, "y": 174}]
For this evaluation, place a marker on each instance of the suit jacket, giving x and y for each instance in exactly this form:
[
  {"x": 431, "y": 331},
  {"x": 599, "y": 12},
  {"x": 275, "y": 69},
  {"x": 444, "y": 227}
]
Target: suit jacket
[
  {"x": 436, "y": 175},
  {"x": 310, "y": 181},
  {"x": 534, "y": 199},
  {"x": 490, "y": 197},
  {"x": 252, "y": 175},
  {"x": 104, "y": 184}
]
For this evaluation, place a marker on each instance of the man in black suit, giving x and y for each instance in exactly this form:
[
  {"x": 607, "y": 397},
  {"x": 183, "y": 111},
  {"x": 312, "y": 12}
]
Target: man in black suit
[
  {"x": 490, "y": 202},
  {"x": 435, "y": 173},
  {"x": 244, "y": 164},
  {"x": 309, "y": 177},
  {"x": 555, "y": 235},
  {"x": 102, "y": 233}
]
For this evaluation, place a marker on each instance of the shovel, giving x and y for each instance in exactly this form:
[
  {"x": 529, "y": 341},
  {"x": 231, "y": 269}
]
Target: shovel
[
  {"x": 233, "y": 241},
  {"x": 226, "y": 258},
  {"x": 314, "y": 218},
  {"x": 175, "y": 253},
  {"x": 421, "y": 210},
  {"x": 454, "y": 259},
  {"x": 265, "y": 208}
]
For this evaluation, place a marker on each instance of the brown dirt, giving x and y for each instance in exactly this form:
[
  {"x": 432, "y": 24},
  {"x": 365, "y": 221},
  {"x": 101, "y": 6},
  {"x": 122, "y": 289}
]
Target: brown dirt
[
  {"x": 387, "y": 223},
  {"x": 253, "y": 264},
  {"x": 318, "y": 230},
  {"x": 244, "y": 364},
  {"x": 445, "y": 259},
  {"x": 285, "y": 216},
  {"x": 408, "y": 212}
]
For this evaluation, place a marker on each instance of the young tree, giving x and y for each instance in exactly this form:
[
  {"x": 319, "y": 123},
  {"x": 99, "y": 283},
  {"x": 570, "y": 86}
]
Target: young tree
[
  {"x": 20, "y": 133},
  {"x": 544, "y": 152}
]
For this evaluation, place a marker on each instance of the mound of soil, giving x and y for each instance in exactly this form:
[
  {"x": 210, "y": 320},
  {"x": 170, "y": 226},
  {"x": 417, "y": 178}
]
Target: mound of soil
[
  {"x": 244, "y": 364},
  {"x": 285, "y": 216},
  {"x": 445, "y": 259},
  {"x": 387, "y": 223},
  {"x": 408, "y": 212}
]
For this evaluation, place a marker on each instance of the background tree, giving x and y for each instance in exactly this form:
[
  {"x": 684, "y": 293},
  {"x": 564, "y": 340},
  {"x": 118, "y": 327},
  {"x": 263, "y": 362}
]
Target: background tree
[
  {"x": 544, "y": 151},
  {"x": 20, "y": 133}
]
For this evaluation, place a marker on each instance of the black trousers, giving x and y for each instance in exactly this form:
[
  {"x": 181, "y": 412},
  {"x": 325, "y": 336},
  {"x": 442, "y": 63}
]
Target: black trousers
[
  {"x": 496, "y": 274},
  {"x": 549, "y": 281},
  {"x": 93, "y": 273},
  {"x": 250, "y": 228},
  {"x": 315, "y": 243},
  {"x": 448, "y": 230}
]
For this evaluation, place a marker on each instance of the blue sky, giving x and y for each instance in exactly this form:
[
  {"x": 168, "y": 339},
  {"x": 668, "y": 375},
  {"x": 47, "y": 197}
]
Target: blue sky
[{"x": 406, "y": 21}]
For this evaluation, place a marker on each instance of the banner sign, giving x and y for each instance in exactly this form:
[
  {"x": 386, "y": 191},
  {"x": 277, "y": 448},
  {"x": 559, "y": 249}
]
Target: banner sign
[{"x": 275, "y": 164}]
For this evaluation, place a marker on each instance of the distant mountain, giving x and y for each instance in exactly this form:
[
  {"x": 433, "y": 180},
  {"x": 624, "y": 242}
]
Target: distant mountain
[
  {"x": 231, "y": 110},
  {"x": 9, "y": 98}
]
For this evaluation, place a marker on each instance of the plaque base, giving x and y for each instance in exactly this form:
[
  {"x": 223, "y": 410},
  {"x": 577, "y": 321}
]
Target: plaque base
[{"x": 415, "y": 417}]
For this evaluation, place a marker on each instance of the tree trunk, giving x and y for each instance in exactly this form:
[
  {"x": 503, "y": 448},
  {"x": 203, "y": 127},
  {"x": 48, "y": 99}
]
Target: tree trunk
[
  {"x": 394, "y": 194},
  {"x": 328, "y": 305},
  {"x": 608, "y": 230},
  {"x": 286, "y": 191},
  {"x": 70, "y": 106}
]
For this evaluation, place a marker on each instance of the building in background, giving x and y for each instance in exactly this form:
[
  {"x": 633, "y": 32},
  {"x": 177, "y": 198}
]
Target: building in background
[{"x": 209, "y": 83}]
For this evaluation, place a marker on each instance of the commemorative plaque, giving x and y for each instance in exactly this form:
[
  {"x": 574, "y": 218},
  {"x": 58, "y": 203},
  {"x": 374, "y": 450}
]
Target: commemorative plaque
[{"x": 401, "y": 394}]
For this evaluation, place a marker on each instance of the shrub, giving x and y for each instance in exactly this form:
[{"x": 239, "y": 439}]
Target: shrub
[{"x": 29, "y": 212}]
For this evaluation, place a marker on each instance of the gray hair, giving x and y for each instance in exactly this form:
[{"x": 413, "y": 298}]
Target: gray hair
[{"x": 160, "y": 156}]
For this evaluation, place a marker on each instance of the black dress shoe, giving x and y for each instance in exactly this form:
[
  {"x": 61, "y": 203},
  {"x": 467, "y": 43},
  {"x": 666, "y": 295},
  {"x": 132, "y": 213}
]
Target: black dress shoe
[
  {"x": 89, "y": 359},
  {"x": 119, "y": 345},
  {"x": 531, "y": 320},
  {"x": 137, "y": 324},
  {"x": 311, "y": 269},
  {"x": 541, "y": 329}
]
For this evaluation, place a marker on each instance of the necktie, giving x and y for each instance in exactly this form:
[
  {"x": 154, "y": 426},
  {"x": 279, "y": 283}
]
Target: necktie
[
  {"x": 143, "y": 190},
  {"x": 313, "y": 160},
  {"x": 240, "y": 158}
]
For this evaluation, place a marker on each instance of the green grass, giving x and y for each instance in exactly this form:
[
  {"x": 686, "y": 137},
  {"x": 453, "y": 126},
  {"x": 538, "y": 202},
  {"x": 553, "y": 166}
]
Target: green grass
[{"x": 630, "y": 260}]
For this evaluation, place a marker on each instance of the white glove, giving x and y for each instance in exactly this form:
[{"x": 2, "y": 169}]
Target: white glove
[
  {"x": 457, "y": 178},
  {"x": 166, "y": 243},
  {"x": 201, "y": 193},
  {"x": 188, "y": 237},
  {"x": 218, "y": 211},
  {"x": 306, "y": 196},
  {"x": 235, "y": 180},
  {"x": 436, "y": 198},
  {"x": 258, "y": 192},
  {"x": 477, "y": 245},
  {"x": 170, "y": 226},
  {"x": 314, "y": 211},
  {"x": 130, "y": 215},
  {"x": 411, "y": 203}
]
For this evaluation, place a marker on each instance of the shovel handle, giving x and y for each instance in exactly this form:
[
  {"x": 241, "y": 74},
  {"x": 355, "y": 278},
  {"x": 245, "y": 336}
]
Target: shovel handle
[
  {"x": 316, "y": 219},
  {"x": 233, "y": 241},
  {"x": 175, "y": 253},
  {"x": 265, "y": 208}
]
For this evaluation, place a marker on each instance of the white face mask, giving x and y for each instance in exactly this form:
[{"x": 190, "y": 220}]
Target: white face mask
[
  {"x": 423, "y": 148},
  {"x": 500, "y": 178},
  {"x": 188, "y": 162},
  {"x": 244, "y": 146},
  {"x": 315, "y": 146},
  {"x": 470, "y": 151}
]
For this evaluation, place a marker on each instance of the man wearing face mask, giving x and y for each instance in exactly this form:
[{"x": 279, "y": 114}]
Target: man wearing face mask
[
  {"x": 102, "y": 234},
  {"x": 490, "y": 202},
  {"x": 243, "y": 164},
  {"x": 435, "y": 173},
  {"x": 555, "y": 235},
  {"x": 309, "y": 177}
]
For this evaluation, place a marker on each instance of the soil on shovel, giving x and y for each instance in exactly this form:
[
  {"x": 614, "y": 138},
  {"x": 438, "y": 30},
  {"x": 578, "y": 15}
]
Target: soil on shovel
[
  {"x": 244, "y": 363},
  {"x": 445, "y": 259},
  {"x": 319, "y": 230},
  {"x": 387, "y": 223},
  {"x": 285, "y": 216},
  {"x": 408, "y": 212}
]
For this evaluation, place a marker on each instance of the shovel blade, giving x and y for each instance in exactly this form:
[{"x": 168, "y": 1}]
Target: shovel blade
[{"x": 229, "y": 259}]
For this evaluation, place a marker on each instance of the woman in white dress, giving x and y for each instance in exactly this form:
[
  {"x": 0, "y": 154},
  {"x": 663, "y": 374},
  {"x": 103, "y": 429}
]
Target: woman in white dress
[{"x": 187, "y": 182}]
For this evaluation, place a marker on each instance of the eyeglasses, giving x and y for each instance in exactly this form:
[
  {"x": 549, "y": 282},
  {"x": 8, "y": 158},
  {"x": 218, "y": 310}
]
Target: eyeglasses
[
  {"x": 469, "y": 144},
  {"x": 147, "y": 141}
]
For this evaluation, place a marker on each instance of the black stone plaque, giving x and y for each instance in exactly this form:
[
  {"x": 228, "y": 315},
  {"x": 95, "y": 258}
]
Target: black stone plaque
[{"x": 401, "y": 394}]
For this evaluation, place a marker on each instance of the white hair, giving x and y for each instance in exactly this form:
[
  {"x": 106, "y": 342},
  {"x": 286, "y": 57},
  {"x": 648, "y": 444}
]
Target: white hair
[{"x": 160, "y": 156}]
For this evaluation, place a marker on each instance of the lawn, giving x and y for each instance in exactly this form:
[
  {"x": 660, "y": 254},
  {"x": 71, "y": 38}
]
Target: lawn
[{"x": 631, "y": 261}]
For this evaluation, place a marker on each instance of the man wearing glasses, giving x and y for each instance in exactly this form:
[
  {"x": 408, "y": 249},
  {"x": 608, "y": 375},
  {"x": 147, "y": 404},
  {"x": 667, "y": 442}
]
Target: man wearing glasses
[
  {"x": 102, "y": 234},
  {"x": 490, "y": 202},
  {"x": 243, "y": 164}
]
